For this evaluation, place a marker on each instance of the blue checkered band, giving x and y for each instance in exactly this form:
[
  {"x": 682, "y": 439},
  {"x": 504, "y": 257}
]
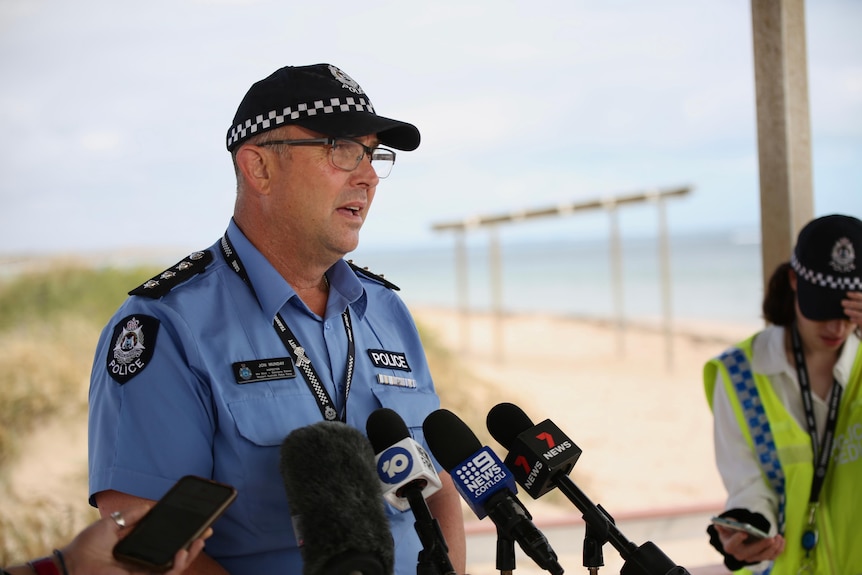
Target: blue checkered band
[
  {"x": 275, "y": 118},
  {"x": 825, "y": 280},
  {"x": 742, "y": 379}
]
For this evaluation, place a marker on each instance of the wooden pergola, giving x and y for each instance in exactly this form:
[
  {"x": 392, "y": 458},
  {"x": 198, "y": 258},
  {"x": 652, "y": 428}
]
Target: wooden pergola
[
  {"x": 492, "y": 223},
  {"x": 784, "y": 160}
]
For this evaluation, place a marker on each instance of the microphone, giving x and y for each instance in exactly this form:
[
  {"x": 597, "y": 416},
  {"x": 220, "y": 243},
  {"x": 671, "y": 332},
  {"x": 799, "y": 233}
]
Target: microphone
[
  {"x": 545, "y": 468},
  {"x": 407, "y": 476},
  {"x": 402, "y": 464},
  {"x": 337, "y": 512},
  {"x": 487, "y": 487},
  {"x": 537, "y": 453}
]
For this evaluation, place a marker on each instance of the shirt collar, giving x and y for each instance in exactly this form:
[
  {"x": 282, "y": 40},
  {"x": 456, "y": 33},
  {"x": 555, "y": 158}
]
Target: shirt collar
[
  {"x": 273, "y": 291},
  {"x": 769, "y": 357},
  {"x": 844, "y": 365},
  {"x": 345, "y": 289}
]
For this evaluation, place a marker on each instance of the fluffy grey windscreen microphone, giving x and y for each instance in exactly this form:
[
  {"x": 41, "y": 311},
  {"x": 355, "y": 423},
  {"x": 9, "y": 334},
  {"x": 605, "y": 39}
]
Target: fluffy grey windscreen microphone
[{"x": 331, "y": 483}]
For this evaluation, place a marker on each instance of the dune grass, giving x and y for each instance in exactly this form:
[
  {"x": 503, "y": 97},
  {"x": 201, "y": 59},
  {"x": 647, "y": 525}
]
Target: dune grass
[{"x": 49, "y": 324}]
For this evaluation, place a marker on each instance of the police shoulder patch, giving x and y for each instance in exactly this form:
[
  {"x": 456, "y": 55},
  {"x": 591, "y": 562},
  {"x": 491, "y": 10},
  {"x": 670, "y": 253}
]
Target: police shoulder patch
[
  {"x": 134, "y": 342},
  {"x": 161, "y": 284},
  {"x": 372, "y": 276}
]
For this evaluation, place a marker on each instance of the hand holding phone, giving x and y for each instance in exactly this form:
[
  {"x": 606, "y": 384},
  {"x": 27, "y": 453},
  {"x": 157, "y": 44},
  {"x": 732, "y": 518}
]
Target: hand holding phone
[
  {"x": 753, "y": 532},
  {"x": 185, "y": 512}
]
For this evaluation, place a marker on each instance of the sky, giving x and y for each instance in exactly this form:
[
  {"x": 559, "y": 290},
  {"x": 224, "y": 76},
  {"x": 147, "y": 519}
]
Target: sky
[{"x": 114, "y": 112}]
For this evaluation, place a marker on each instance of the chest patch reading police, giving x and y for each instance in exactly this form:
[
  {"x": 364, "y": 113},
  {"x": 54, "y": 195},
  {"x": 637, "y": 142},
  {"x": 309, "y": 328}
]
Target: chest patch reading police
[
  {"x": 134, "y": 343},
  {"x": 388, "y": 359},
  {"x": 263, "y": 369}
]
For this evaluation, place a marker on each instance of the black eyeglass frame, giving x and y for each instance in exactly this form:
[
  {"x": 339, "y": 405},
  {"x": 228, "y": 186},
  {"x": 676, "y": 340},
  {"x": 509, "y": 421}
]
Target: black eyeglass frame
[{"x": 333, "y": 142}]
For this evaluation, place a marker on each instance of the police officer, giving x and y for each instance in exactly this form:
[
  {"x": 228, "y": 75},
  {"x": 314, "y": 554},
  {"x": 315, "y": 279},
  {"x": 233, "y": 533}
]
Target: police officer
[
  {"x": 208, "y": 366},
  {"x": 786, "y": 404}
]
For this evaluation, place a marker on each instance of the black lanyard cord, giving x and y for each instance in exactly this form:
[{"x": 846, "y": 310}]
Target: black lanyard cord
[
  {"x": 297, "y": 352},
  {"x": 822, "y": 450}
]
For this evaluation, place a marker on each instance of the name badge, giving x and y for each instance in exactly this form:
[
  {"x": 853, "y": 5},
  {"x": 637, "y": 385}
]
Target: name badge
[{"x": 263, "y": 370}]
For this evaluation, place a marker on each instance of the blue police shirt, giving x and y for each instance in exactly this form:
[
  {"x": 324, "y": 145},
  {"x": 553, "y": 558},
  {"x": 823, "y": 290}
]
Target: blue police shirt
[{"x": 166, "y": 399}]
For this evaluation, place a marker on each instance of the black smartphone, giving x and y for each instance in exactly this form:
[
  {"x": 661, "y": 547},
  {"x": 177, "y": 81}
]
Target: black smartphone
[{"x": 174, "y": 522}]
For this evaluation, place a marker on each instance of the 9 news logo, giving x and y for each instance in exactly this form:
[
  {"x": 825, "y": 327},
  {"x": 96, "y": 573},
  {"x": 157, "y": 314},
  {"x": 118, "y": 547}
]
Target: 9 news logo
[
  {"x": 394, "y": 465},
  {"x": 480, "y": 473}
]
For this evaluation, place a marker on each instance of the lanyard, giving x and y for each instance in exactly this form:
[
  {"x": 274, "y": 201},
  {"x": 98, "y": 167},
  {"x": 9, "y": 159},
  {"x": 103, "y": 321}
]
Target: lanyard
[
  {"x": 822, "y": 451},
  {"x": 297, "y": 352}
]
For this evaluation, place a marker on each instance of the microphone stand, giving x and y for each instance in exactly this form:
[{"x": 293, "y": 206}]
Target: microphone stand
[
  {"x": 505, "y": 552},
  {"x": 647, "y": 559},
  {"x": 434, "y": 557},
  {"x": 593, "y": 556}
]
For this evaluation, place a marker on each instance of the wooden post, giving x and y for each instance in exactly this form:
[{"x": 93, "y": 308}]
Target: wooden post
[
  {"x": 462, "y": 286},
  {"x": 616, "y": 254},
  {"x": 783, "y": 127},
  {"x": 495, "y": 268},
  {"x": 664, "y": 269}
]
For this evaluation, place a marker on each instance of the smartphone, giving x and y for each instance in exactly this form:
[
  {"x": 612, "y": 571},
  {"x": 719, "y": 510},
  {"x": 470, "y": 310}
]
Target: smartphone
[
  {"x": 174, "y": 522},
  {"x": 752, "y": 531}
]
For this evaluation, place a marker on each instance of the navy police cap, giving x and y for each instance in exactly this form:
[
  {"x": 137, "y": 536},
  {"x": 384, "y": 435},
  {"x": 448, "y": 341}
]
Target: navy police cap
[
  {"x": 320, "y": 97},
  {"x": 827, "y": 264}
]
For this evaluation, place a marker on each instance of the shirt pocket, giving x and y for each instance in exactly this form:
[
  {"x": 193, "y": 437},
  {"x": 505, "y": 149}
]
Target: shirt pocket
[
  {"x": 413, "y": 405},
  {"x": 262, "y": 423}
]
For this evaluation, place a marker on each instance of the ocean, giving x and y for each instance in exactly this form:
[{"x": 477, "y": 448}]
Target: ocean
[{"x": 714, "y": 277}]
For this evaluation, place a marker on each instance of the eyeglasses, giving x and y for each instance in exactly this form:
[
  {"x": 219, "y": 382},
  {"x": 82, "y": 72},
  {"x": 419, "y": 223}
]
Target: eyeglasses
[{"x": 346, "y": 154}]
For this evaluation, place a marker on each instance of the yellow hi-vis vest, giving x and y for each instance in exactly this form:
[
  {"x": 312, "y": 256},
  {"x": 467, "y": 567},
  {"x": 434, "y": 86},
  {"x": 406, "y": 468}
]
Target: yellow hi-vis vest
[{"x": 839, "y": 514}]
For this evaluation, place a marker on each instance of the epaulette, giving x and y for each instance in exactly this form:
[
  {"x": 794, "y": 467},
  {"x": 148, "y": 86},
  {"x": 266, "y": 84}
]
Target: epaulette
[
  {"x": 161, "y": 284},
  {"x": 372, "y": 276}
]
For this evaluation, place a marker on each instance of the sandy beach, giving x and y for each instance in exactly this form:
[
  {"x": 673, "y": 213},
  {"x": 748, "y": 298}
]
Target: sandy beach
[
  {"x": 643, "y": 423},
  {"x": 631, "y": 399},
  {"x": 632, "y": 404}
]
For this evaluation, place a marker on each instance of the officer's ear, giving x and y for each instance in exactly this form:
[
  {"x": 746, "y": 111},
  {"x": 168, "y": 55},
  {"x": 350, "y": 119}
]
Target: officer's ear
[{"x": 255, "y": 163}]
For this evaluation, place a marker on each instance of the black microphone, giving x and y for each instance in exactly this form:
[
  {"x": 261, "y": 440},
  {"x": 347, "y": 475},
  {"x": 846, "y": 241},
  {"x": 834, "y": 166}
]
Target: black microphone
[
  {"x": 487, "y": 487},
  {"x": 537, "y": 453},
  {"x": 407, "y": 477},
  {"x": 533, "y": 461},
  {"x": 338, "y": 514}
]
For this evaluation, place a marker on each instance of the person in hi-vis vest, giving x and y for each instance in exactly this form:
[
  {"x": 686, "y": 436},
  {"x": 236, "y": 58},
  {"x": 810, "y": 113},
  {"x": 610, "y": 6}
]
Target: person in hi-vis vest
[{"x": 787, "y": 407}]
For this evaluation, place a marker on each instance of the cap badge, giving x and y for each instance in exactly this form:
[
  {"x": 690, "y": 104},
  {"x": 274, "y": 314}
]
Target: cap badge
[
  {"x": 843, "y": 256},
  {"x": 346, "y": 81}
]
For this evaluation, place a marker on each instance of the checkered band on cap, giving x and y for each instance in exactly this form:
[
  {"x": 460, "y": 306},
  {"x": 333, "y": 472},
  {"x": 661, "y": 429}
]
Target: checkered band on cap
[
  {"x": 274, "y": 118},
  {"x": 840, "y": 283}
]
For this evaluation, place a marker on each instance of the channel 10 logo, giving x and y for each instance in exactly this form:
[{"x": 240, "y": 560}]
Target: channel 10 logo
[{"x": 394, "y": 465}]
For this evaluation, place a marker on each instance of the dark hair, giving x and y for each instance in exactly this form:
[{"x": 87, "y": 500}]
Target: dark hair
[{"x": 779, "y": 301}]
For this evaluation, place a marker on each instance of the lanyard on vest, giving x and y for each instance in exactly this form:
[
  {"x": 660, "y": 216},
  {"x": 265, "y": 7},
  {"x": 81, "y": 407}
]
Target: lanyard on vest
[
  {"x": 822, "y": 450},
  {"x": 297, "y": 352}
]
